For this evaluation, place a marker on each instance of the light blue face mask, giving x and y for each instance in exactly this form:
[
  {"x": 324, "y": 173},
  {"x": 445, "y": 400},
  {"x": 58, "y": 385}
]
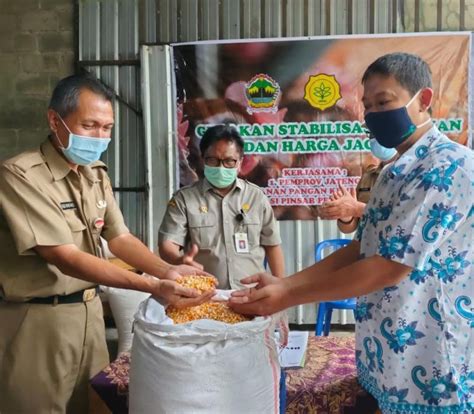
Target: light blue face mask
[
  {"x": 220, "y": 177},
  {"x": 380, "y": 152},
  {"x": 83, "y": 150}
]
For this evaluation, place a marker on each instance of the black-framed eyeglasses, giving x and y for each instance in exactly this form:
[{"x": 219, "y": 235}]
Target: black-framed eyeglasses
[{"x": 216, "y": 162}]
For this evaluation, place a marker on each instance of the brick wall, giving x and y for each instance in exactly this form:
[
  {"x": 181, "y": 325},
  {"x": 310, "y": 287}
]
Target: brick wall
[{"x": 36, "y": 50}]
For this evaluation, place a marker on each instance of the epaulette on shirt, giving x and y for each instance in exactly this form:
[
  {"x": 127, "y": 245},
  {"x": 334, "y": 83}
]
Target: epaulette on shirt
[
  {"x": 26, "y": 160},
  {"x": 172, "y": 202},
  {"x": 99, "y": 164},
  {"x": 254, "y": 185},
  {"x": 187, "y": 187}
]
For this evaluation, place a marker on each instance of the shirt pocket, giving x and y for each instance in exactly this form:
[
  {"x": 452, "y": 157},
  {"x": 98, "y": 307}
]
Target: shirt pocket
[
  {"x": 74, "y": 222},
  {"x": 253, "y": 224},
  {"x": 202, "y": 230}
]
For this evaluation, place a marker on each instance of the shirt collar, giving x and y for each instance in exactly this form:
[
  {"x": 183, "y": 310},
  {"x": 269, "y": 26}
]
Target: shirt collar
[
  {"x": 207, "y": 186},
  {"x": 88, "y": 172},
  {"x": 416, "y": 151},
  {"x": 56, "y": 163},
  {"x": 59, "y": 166}
]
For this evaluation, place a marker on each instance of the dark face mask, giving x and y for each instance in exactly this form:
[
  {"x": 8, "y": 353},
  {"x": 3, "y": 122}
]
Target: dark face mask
[{"x": 390, "y": 128}]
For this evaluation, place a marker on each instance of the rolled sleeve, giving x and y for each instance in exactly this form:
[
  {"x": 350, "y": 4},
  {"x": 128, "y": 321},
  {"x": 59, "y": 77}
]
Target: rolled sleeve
[
  {"x": 114, "y": 223},
  {"x": 270, "y": 235},
  {"x": 174, "y": 226},
  {"x": 34, "y": 218},
  {"x": 428, "y": 219}
]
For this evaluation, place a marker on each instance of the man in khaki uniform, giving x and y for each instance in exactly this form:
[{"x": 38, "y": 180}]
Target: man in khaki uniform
[
  {"x": 224, "y": 223},
  {"x": 55, "y": 203},
  {"x": 348, "y": 206}
]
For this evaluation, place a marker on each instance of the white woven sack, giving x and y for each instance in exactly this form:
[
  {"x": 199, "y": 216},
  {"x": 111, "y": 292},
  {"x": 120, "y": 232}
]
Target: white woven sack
[
  {"x": 203, "y": 366},
  {"x": 124, "y": 305}
]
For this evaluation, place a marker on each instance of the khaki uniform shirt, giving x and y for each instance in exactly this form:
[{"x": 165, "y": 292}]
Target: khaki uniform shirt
[
  {"x": 197, "y": 214},
  {"x": 367, "y": 182},
  {"x": 45, "y": 203}
]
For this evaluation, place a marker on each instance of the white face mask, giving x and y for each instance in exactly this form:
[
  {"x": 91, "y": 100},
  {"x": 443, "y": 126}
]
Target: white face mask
[{"x": 382, "y": 153}]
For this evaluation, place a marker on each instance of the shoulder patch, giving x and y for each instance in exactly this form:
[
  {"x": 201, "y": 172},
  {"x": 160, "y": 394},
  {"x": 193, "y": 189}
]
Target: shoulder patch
[
  {"x": 172, "y": 202},
  {"x": 26, "y": 160}
]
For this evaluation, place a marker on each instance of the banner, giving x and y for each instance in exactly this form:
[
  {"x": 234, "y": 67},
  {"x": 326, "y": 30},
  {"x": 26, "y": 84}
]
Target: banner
[{"x": 297, "y": 105}]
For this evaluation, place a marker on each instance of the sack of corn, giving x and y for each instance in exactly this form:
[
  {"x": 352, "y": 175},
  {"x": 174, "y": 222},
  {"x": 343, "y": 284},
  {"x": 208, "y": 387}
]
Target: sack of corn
[{"x": 202, "y": 365}]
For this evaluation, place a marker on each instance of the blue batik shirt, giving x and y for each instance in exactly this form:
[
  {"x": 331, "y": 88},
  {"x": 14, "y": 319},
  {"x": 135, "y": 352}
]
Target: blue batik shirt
[{"x": 415, "y": 340}]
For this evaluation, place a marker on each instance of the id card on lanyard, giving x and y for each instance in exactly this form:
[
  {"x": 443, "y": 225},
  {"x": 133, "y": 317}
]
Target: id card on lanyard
[{"x": 241, "y": 243}]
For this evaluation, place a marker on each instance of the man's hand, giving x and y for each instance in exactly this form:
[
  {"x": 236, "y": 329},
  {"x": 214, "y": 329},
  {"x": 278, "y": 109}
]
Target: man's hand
[
  {"x": 176, "y": 272},
  {"x": 171, "y": 253},
  {"x": 343, "y": 205},
  {"x": 179, "y": 296},
  {"x": 188, "y": 258},
  {"x": 266, "y": 298}
]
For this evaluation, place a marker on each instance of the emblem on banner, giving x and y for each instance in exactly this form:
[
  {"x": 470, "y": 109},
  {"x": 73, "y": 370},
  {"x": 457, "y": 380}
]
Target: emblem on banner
[
  {"x": 262, "y": 94},
  {"x": 322, "y": 91}
]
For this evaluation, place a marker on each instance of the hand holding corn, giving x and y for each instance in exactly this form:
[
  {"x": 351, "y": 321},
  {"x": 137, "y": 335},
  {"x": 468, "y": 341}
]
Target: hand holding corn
[
  {"x": 178, "y": 271},
  {"x": 267, "y": 297},
  {"x": 179, "y": 296},
  {"x": 217, "y": 311}
]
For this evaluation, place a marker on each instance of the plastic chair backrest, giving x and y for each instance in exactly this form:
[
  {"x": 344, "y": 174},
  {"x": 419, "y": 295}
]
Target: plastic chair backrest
[{"x": 331, "y": 243}]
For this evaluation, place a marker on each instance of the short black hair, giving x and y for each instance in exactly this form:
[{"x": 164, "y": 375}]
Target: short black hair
[
  {"x": 409, "y": 70},
  {"x": 66, "y": 93},
  {"x": 221, "y": 132}
]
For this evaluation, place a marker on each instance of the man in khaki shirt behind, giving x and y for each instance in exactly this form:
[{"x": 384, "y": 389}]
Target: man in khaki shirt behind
[
  {"x": 55, "y": 203},
  {"x": 347, "y": 206},
  {"x": 224, "y": 223}
]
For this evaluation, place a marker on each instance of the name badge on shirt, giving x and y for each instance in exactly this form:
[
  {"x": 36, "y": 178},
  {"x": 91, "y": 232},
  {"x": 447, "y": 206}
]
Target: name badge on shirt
[
  {"x": 68, "y": 205},
  {"x": 241, "y": 243}
]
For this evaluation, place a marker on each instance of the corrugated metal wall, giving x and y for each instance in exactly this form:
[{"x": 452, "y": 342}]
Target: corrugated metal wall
[
  {"x": 108, "y": 47},
  {"x": 111, "y": 30},
  {"x": 189, "y": 20}
]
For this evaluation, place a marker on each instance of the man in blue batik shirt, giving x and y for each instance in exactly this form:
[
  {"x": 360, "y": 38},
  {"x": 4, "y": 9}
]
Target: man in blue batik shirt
[{"x": 411, "y": 262}]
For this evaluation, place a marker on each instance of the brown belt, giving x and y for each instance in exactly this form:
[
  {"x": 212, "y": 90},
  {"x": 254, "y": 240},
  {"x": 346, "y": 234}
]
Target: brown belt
[{"x": 85, "y": 295}]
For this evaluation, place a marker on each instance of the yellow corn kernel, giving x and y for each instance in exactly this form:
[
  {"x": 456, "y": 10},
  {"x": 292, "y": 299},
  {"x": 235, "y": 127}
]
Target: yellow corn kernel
[
  {"x": 217, "y": 311},
  {"x": 200, "y": 283}
]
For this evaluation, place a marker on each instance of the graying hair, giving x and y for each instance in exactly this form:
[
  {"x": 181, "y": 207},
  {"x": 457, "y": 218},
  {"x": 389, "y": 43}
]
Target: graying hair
[{"x": 65, "y": 96}]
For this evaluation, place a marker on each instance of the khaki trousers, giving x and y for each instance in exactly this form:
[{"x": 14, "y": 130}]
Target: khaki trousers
[{"x": 48, "y": 353}]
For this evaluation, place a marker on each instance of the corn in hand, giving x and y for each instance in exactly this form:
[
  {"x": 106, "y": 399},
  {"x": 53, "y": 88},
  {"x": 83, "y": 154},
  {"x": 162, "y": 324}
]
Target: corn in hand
[
  {"x": 217, "y": 311},
  {"x": 200, "y": 283}
]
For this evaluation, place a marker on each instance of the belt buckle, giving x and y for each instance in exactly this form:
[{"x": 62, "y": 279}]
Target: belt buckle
[{"x": 88, "y": 295}]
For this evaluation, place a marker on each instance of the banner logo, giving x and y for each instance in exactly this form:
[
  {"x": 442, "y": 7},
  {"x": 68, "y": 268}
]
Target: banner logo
[
  {"x": 322, "y": 91},
  {"x": 262, "y": 94}
]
